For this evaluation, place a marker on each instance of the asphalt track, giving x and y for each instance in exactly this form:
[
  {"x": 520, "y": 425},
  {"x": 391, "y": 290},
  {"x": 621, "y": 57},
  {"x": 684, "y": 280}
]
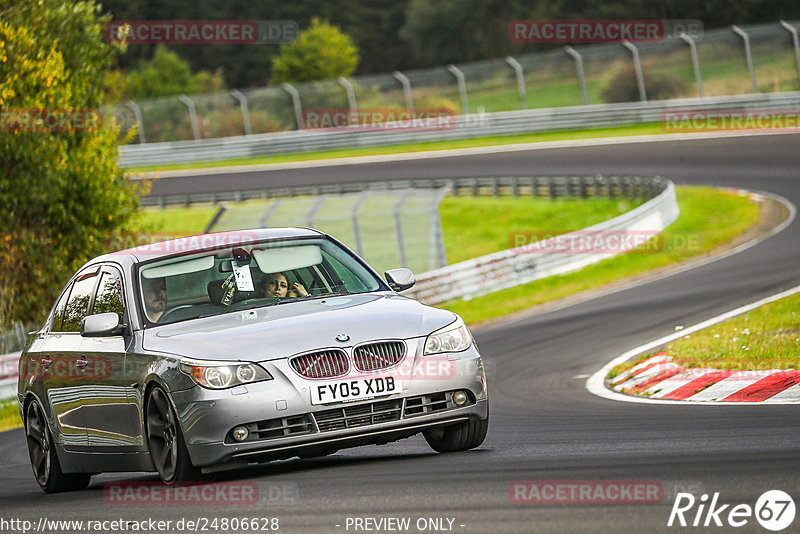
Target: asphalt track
[{"x": 545, "y": 425}]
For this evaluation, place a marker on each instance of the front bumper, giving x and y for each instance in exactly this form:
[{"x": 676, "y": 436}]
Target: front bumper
[{"x": 284, "y": 423}]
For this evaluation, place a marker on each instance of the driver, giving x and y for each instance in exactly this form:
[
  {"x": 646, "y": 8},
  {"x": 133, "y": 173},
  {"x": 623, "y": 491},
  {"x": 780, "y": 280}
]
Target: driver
[
  {"x": 155, "y": 297},
  {"x": 277, "y": 285}
]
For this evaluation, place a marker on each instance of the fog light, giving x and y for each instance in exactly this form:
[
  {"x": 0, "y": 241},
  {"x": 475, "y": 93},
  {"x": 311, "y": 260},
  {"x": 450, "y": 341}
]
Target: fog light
[
  {"x": 240, "y": 433},
  {"x": 460, "y": 398}
]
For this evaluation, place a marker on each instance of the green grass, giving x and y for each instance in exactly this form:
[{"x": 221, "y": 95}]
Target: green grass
[
  {"x": 765, "y": 338},
  {"x": 468, "y": 234},
  {"x": 9, "y": 415},
  {"x": 709, "y": 218},
  {"x": 635, "y": 129}
]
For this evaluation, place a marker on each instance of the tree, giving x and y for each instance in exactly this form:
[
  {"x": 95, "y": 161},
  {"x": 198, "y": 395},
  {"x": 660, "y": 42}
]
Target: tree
[
  {"x": 453, "y": 31},
  {"x": 61, "y": 191},
  {"x": 321, "y": 52},
  {"x": 164, "y": 75}
]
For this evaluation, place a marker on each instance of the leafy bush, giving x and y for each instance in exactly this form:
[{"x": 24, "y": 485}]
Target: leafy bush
[
  {"x": 622, "y": 86},
  {"x": 164, "y": 75},
  {"x": 321, "y": 52}
]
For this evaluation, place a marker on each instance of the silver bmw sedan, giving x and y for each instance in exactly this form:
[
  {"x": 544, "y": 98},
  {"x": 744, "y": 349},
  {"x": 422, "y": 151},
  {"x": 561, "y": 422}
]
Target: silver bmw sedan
[{"x": 217, "y": 351}]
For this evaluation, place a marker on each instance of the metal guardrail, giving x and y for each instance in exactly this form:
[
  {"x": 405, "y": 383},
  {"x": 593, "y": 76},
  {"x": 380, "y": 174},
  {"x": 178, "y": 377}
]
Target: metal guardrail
[
  {"x": 461, "y": 127},
  {"x": 535, "y": 186},
  {"x": 521, "y": 265}
]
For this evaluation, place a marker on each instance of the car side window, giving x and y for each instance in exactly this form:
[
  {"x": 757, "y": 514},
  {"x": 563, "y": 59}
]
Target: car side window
[
  {"x": 348, "y": 278},
  {"x": 78, "y": 304},
  {"x": 58, "y": 310},
  {"x": 109, "y": 295}
]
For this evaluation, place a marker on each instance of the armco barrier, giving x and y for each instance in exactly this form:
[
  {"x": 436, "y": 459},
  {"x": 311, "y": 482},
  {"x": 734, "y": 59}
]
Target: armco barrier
[
  {"x": 514, "y": 267},
  {"x": 466, "y": 126},
  {"x": 536, "y": 186}
]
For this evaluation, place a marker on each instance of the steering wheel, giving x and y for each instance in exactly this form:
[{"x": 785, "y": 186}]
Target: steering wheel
[
  {"x": 253, "y": 302},
  {"x": 170, "y": 310}
]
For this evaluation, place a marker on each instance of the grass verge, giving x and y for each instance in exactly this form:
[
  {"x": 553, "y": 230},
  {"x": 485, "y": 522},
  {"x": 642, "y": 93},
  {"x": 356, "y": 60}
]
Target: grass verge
[
  {"x": 765, "y": 338},
  {"x": 709, "y": 218},
  {"x": 634, "y": 129},
  {"x": 9, "y": 415}
]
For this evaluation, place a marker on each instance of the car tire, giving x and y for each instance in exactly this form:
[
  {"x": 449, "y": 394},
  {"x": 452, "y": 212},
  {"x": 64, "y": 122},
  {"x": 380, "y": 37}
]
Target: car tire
[
  {"x": 457, "y": 437},
  {"x": 165, "y": 441},
  {"x": 44, "y": 459}
]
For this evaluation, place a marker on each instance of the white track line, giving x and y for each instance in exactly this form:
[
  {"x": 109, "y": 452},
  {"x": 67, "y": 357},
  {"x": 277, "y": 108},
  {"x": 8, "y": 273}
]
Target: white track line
[{"x": 595, "y": 384}]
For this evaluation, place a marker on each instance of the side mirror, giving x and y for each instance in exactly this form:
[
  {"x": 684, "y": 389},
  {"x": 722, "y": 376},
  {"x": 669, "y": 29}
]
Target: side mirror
[
  {"x": 400, "y": 279},
  {"x": 101, "y": 325}
]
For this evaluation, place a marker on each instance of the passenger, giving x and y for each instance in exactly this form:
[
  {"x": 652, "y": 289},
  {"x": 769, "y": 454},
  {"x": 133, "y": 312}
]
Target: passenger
[
  {"x": 277, "y": 285},
  {"x": 155, "y": 297}
]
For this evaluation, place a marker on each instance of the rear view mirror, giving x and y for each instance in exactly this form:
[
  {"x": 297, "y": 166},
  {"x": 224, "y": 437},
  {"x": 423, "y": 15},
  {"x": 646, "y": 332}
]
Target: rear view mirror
[{"x": 400, "y": 279}]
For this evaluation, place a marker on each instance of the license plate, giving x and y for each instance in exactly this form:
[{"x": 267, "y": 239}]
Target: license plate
[{"x": 353, "y": 390}]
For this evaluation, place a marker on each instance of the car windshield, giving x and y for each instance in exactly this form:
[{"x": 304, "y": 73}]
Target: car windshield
[{"x": 249, "y": 276}]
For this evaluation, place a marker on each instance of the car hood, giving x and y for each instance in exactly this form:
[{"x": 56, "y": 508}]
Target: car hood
[{"x": 274, "y": 332}]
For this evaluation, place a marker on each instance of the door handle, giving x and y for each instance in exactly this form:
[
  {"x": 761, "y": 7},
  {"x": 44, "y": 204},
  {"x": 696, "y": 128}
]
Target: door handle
[
  {"x": 46, "y": 361},
  {"x": 82, "y": 362}
]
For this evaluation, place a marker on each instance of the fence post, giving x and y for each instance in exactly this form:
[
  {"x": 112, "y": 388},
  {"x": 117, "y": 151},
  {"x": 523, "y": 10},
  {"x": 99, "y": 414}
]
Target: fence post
[
  {"x": 269, "y": 212},
  {"x": 354, "y": 217},
  {"x": 21, "y": 337},
  {"x": 215, "y": 219},
  {"x": 523, "y": 94},
  {"x": 398, "y": 227},
  {"x": 437, "y": 256},
  {"x": 238, "y": 95},
  {"x": 695, "y": 62},
  {"x": 351, "y": 97},
  {"x": 313, "y": 211},
  {"x": 581, "y": 75},
  {"x": 637, "y": 66},
  {"x": 189, "y": 103},
  {"x": 748, "y": 55},
  {"x": 298, "y": 108},
  {"x": 793, "y": 31},
  {"x": 406, "y": 83},
  {"x": 462, "y": 88},
  {"x": 137, "y": 113}
]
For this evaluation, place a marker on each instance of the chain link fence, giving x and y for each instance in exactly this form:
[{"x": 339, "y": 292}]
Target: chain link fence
[
  {"x": 730, "y": 61},
  {"x": 396, "y": 223},
  {"x": 388, "y": 228}
]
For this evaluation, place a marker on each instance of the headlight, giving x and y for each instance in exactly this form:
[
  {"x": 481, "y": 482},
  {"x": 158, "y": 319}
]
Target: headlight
[
  {"x": 221, "y": 376},
  {"x": 454, "y": 337}
]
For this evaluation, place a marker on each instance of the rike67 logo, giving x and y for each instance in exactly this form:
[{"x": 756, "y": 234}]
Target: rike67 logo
[{"x": 774, "y": 510}]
